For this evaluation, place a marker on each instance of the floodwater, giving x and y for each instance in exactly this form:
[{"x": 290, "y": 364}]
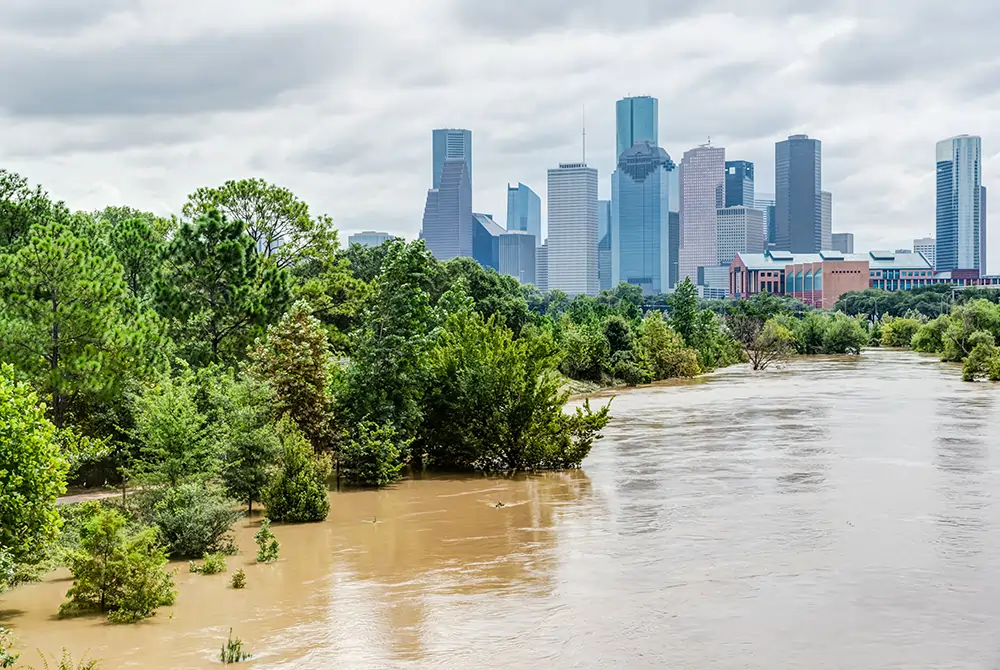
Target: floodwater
[{"x": 836, "y": 513}]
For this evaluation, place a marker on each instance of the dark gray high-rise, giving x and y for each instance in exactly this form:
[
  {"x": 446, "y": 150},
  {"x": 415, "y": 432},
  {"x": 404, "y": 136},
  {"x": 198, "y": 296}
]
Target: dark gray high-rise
[
  {"x": 798, "y": 208},
  {"x": 739, "y": 184}
]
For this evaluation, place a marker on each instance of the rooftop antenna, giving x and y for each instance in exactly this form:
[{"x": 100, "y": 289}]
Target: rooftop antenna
[{"x": 585, "y": 134}]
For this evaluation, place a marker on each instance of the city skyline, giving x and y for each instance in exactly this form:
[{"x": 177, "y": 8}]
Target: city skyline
[{"x": 143, "y": 108}]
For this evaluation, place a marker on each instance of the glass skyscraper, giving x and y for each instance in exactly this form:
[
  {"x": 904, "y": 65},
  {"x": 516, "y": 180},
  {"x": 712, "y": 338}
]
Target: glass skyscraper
[
  {"x": 640, "y": 218},
  {"x": 798, "y": 179},
  {"x": 604, "y": 244},
  {"x": 959, "y": 203},
  {"x": 637, "y": 120},
  {"x": 486, "y": 241},
  {"x": 451, "y": 143},
  {"x": 739, "y": 184},
  {"x": 447, "y": 225},
  {"x": 524, "y": 211}
]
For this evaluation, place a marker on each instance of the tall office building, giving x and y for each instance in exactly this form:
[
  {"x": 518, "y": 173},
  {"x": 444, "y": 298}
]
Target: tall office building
[
  {"x": 826, "y": 220},
  {"x": 486, "y": 240},
  {"x": 928, "y": 247},
  {"x": 703, "y": 194},
  {"x": 982, "y": 232},
  {"x": 542, "y": 267},
  {"x": 637, "y": 120},
  {"x": 765, "y": 203},
  {"x": 451, "y": 143},
  {"x": 604, "y": 244},
  {"x": 740, "y": 231},
  {"x": 517, "y": 255},
  {"x": 739, "y": 184},
  {"x": 369, "y": 238},
  {"x": 572, "y": 241},
  {"x": 842, "y": 242},
  {"x": 798, "y": 179},
  {"x": 640, "y": 218},
  {"x": 959, "y": 202},
  {"x": 524, "y": 211},
  {"x": 674, "y": 177},
  {"x": 447, "y": 226}
]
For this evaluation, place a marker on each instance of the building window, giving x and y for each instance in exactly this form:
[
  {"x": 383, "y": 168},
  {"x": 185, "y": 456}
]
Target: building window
[
  {"x": 818, "y": 280},
  {"x": 808, "y": 284},
  {"x": 790, "y": 283},
  {"x": 798, "y": 281}
]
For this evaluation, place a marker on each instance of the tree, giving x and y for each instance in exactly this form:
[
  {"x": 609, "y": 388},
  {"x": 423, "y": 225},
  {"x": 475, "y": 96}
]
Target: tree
[
  {"x": 174, "y": 437},
  {"x": 764, "y": 343},
  {"x": 372, "y": 456},
  {"x": 295, "y": 360},
  {"x": 279, "y": 224},
  {"x": 365, "y": 263},
  {"x": 32, "y": 476},
  {"x": 249, "y": 444},
  {"x": 118, "y": 572},
  {"x": 492, "y": 292},
  {"x": 683, "y": 303},
  {"x": 22, "y": 207},
  {"x": 193, "y": 519},
  {"x": 67, "y": 324},
  {"x": 844, "y": 335},
  {"x": 899, "y": 332},
  {"x": 334, "y": 295},
  {"x": 216, "y": 289},
  {"x": 662, "y": 350},
  {"x": 138, "y": 248},
  {"x": 297, "y": 492}
]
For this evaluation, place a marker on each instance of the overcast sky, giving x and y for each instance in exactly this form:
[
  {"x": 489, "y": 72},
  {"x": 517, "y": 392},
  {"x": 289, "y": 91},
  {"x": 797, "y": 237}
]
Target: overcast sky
[{"x": 139, "y": 102}]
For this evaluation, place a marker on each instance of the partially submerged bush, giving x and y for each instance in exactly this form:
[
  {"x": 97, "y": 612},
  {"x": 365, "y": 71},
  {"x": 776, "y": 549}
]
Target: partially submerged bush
[
  {"x": 212, "y": 565},
  {"x": 267, "y": 544},
  {"x": 193, "y": 519},
  {"x": 239, "y": 579},
  {"x": 372, "y": 457},
  {"x": 297, "y": 493}
]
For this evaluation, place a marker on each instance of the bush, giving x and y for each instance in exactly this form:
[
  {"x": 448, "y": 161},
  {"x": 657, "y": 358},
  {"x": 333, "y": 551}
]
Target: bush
[
  {"x": 897, "y": 332},
  {"x": 297, "y": 494},
  {"x": 239, "y": 579},
  {"x": 233, "y": 651},
  {"x": 662, "y": 350},
  {"x": 977, "y": 364},
  {"x": 193, "y": 519},
  {"x": 844, "y": 335},
  {"x": 372, "y": 457},
  {"x": 118, "y": 572},
  {"x": 628, "y": 371},
  {"x": 267, "y": 544},
  {"x": 929, "y": 338},
  {"x": 65, "y": 662},
  {"x": 7, "y": 658},
  {"x": 213, "y": 565}
]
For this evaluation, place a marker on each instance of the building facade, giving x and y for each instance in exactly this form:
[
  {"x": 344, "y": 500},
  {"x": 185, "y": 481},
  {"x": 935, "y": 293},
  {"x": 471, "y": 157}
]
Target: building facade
[
  {"x": 524, "y": 211},
  {"x": 928, "y": 247},
  {"x": 604, "y": 244},
  {"x": 542, "y": 267},
  {"x": 740, "y": 231},
  {"x": 640, "y": 218},
  {"x": 765, "y": 203},
  {"x": 447, "y": 224},
  {"x": 370, "y": 238},
  {"x": 982, "y": 231},
  {"x": 636, "y": 120},
  {"x": 842, "y": 242},
  {"x": 739, "y": 184},
  {"x": 798, "y": 180},
  {"x": 486, "y": 241},
  {"x": 703, "y": 193},
  {"x": 517, "y": 255},
  {"x": 572, "y": 230},
  {"x": 959, "y": 202},
  {"x": 450, "y": 143},
  {"x": 826, "y": 219}
]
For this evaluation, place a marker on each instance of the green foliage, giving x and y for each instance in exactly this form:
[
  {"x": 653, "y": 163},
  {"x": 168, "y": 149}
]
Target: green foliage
[
  {"x": 663, "y": 353},
  {"x": 216, "y": 289},
  {"x": 810, "y": 334},
  {"x": 66, "y": 662},
  {"x": 212, "y": 564},
  {"x": 372, "y": 456},
  {"x": 683, "y": 303},
  {"x": 295, "y": 360},
  {"x": 118, "y": 572},
  {"x": 977, "y": 364},
  {"x": 844, "y": 335},
  {"x": 898, "y": 331},
  {"x": 249, "y": 443},
  {"x": 7, "y": 657},
  {"x": 239, "y": 579},
  {"x": 32, "y": 475},
  {"x": 193, "y": 519},
  {"x": 930, "y": 337},
  {"x": 491, "y": 292},
  {"x": 267, "y": 544},
  {"x": 297, "y": 491},
  {"x": 67, "y": 323},
  {"x": 22, "y": 207},
  {"x": 587, "y": 351},
  {"x": 137, "y": 246},
  {"x": 874, "y": 304},
  {"x": 233, "y": 651}
]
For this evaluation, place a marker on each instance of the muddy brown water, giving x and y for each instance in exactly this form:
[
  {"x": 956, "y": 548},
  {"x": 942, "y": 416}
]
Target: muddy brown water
[{"x": 836, "y": 513}]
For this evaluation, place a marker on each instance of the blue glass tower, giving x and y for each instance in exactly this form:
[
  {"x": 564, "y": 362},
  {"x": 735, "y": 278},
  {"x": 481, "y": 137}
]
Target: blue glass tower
[
  {"x": 637, "y": 120},
  {"x": 524, "y": 211},
  {"x": 604, "y": 244},
  {"x": 959, "y": 203},
  {"x": 798, "y": 177},
  {"x": 640, "y": 218},
  {"x": 739, "y": 184},
  {"x": 447, "y": 224},
  {"x": 486, "y": 241},
  {"x": 451, "y": 143}
]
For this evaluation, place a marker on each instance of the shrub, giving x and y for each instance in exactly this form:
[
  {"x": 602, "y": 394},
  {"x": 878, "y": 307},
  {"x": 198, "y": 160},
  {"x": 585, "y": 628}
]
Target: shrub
[
  {"x": 662, "y": 350},
  {"x": 844, "y": 335},
  {"x": 628, "y": 371},
  {"x": 977, "y": 364},
  {"x": 297, "y": 493},
  {"x": 267, "y": 544},
  {"x": 118, "y": 572},
  {"x": 239, "y": 579},
  {"x": 7, "y": 657},
  {"x": 213, "y": 565},
  {"x": 372, "y": 457},
  {"x": 65, "y": 662},
  {"x": 898, "y": 332},
  {"x": 233, "y": 651},
  {"x": 193, "y": 519},
  {"x": 930, "y": 337}
]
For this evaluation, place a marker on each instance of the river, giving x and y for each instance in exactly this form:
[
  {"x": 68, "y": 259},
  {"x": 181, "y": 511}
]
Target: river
[{"x": 835, "y": 513}]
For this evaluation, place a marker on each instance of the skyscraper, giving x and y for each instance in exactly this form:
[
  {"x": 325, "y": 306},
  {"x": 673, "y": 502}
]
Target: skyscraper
[
  {"x": 982, "y": 232},
  {"x": 447, "y": 226},
  {"x": 959, "y": 202},
  {"x": 604, "y": 244},
  {"x": 572, "y": 241},
  {"x": 640, "y": 218},
  {"x": 524, "y": 211},
  {"x": 370, "y": 238},
  {"x": 798, "y": 179},
  {"x": 740, "y": 231},
  {"x": 703, "y": 193},
  {"x": 542, "y": 267},
  {"x": 928, "y": 247},
  {"x": 826, "y": 220},
  {"x": 843, "y": 242},
  {"x": 517, "y": 255},
  {"x": 451, "y": 143},
  {"x": 765, "y": 203},
  {"x": 674, "y": 177},
  {"x": 739, "y": 184},
  {"x": 486, "y": 241},
  {"x": 637, "y": 120}
]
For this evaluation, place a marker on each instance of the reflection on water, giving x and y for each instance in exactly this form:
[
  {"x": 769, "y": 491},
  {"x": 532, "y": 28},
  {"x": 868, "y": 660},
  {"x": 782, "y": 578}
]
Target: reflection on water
[{"x": 836, "y": 513}]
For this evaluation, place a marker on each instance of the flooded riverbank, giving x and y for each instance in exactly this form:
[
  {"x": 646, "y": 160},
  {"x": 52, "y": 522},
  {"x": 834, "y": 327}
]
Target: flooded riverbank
[{"x": 834, "y": 513}]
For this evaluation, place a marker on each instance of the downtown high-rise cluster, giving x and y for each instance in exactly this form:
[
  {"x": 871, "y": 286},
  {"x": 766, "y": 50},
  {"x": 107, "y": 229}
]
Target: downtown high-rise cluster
[{"x": 666, "y": 221}]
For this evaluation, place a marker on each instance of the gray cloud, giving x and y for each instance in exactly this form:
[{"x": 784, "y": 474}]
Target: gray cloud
[{"x": 49, "y": 17}]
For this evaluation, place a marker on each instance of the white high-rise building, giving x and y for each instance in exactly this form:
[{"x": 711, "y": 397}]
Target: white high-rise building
[
  {"x": 573, "y": 219},
  {"x": 703, "y": 194},
  {"x": 928, "y": 247},
  {"x": 740, "y": 231},
  {"x": 826, "y": 220}
]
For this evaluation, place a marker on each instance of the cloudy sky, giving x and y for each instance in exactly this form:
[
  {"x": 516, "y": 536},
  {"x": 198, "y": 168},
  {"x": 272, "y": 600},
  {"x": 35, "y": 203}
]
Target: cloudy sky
[{"x": 141, "y": 101}]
